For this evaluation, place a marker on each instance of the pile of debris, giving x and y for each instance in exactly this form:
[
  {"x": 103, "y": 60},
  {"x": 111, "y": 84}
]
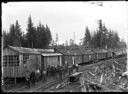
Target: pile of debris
[{"x": 110, "y": 73}]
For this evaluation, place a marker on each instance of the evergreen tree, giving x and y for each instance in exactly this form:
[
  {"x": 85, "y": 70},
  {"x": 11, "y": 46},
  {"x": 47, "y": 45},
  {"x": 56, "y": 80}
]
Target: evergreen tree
[
  {"x": 6, "y": 40},
  {"x": 48, "y": 33},
  {"x": 18, "y": 34},
  {"x": 41, "y": 36},
  {"x": 87, "y": 38},
  {"x": 31, "y": 33},
  {"x": 12, "y": 35}
]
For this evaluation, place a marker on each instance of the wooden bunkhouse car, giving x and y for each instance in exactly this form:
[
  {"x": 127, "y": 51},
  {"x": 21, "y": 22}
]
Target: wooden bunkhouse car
[{"x": 17, "y": 59}]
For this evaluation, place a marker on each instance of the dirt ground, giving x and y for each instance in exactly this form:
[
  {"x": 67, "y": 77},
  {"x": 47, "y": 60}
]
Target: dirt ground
[{"x": 110, "y": 81}]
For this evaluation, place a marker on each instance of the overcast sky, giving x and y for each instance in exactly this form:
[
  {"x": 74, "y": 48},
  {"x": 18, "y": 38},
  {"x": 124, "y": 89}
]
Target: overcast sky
[{"x": 65, "y": 18}]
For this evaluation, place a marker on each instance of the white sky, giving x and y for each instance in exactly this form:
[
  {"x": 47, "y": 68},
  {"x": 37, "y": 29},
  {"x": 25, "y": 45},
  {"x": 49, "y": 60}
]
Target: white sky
[{"x": 67, "y": 17}]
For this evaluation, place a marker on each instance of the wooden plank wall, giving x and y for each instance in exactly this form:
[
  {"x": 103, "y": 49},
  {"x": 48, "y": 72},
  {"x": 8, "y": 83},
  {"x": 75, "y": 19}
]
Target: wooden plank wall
[
  {"x": 35, "y": 62},
  {"x": 11, "y": 71},
  {"x": 86, "y": 58},
  {"x": 52, "y": 60},
  {"x": 69, "y": 59},
  {"x": 78, "y": 59}
]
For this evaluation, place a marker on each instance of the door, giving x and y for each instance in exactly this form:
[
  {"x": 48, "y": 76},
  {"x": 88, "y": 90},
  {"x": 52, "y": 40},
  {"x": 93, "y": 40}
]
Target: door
[{"x": 42, "y": 63}]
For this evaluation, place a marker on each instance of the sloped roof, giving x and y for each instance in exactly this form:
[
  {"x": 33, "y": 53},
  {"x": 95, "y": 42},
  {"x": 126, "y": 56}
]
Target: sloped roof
[
  {"x": 85, "y": 50},
  {"x": 62, "y": 51},
  {"x": 71, "y": 47},
  {"x": 51, "y": 54},
  {"x": 24, "y": 50},
  {"x": 110, "y": 50},
  {"x": 116, "y": 50},
  {"x": 74, "y": 52},
  {"x": 45, "y": 50},
  {"x": 31, "y": 50},
  {"x": 99, "y": 50}
]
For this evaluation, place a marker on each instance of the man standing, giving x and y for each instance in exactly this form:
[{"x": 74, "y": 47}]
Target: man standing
[
  {"x": 33, "y": 77},
  {"x": 44, "y": 76},
  {"x": 27, "y": 77},
  {"x": 77, "y": 66},
  {"x": 48, "y": 71}
]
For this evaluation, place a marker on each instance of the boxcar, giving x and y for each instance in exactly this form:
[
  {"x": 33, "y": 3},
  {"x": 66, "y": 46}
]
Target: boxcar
[
  {"x": 100, "y": 53},
  {"x": 124, "y": 50},
  {"x": 14, "y": 59},
  {"x": 66, "y": 56},
  {"x": 76, "y": 55},
  {"x": 109, "y": 53},
  {"x": 87, "y": 55},
  {"x": 118, "y": 52}
]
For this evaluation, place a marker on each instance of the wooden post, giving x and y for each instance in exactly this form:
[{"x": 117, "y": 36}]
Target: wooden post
[
  {"x": 15, "y": 80},
  {"x": 14, "y": 75}
]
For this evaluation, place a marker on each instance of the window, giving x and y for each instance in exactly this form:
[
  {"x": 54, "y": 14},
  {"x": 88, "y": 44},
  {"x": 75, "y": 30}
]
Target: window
[
  {"x": 58, "y": 58},
  {"x": 89, "y": 57},
  {"x": 11, "y": 60},
  {"x": 25, "y": 58}
]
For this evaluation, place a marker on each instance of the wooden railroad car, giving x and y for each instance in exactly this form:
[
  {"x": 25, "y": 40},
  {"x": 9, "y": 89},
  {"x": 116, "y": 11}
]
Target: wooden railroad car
[
  {"x": 118, "y": 52},
  {"x": 16, "y": 58},
  {"x": 66, "y": 56},
  {"x": 100, "y": 54},
  {"x": 52, "y": 59},
  {"x": 87, "y": 55},
  {"x": 109, "y": 53},
  {"x": 76, "y": 55}
]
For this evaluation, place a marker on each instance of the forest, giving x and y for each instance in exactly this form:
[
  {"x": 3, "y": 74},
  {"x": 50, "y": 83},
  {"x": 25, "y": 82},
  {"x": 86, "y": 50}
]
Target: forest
[
  {"x": 40, "y": 36},
  {"x": 103, "y": 38},
  {"x": 36, "y": 36}
]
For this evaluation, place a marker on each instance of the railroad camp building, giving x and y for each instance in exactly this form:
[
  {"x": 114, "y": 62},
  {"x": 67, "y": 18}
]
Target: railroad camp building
[
  {"x": 76, "y": 55},
  {"x": 50, "y": 58},
  {"x": 100, "y": 53},
  {"x": 66, "y": 56},
  {"x": 16, "y": 59},
  {"x": 87, "y": 55}
]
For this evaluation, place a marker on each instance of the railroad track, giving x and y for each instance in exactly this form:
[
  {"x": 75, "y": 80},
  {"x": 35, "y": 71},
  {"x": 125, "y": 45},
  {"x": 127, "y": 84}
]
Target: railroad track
[
  {"x": 86, "y": 67},
  {"x": 15, "y": 90},
  {"x": 47, "y": 86}
]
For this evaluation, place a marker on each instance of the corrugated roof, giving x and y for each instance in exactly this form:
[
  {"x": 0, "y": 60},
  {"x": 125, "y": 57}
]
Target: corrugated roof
[{"x": 51, "y": 54}]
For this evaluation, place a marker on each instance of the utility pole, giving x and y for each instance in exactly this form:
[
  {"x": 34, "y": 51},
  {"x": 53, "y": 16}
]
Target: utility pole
[
  {"x": 74, "y": 37},
  {"x": 57, "y": 39}
]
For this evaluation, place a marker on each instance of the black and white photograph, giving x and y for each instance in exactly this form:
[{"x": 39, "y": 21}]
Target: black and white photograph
[{"x": 65, "y": 46}]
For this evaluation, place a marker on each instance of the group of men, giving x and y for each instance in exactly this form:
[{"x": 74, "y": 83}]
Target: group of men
[
  {"x": 56, "y": 72},
  {"x": 30, "y": 78}
]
